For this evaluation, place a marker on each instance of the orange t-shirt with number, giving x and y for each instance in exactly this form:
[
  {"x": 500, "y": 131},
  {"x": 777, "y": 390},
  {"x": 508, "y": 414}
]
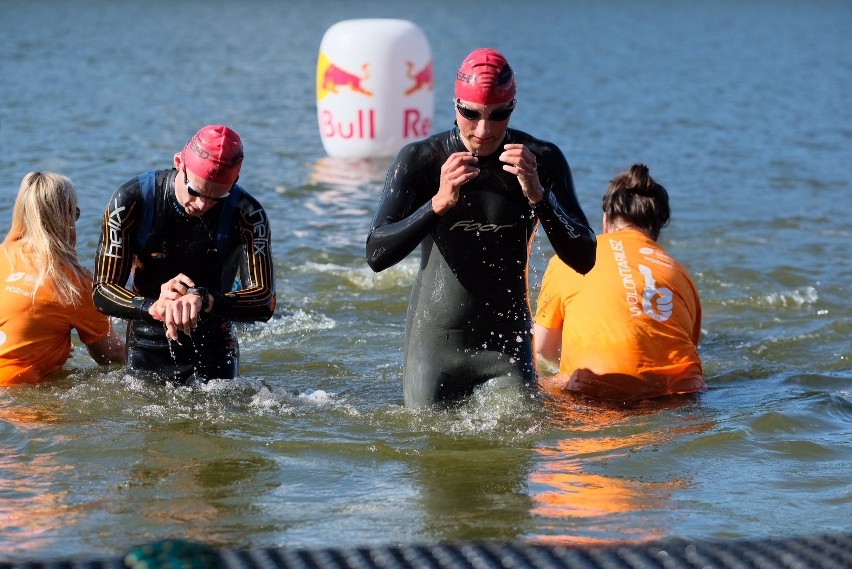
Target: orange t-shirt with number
[
  {"x": 630, "y": 327},
  {"x": 35, "y": 334}
]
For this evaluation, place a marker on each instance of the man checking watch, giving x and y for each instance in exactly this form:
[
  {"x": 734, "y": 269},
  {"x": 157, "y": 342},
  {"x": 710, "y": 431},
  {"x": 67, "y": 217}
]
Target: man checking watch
[
  {"x": 186, "y": 303},
  {"x": 182, "y": 241}
]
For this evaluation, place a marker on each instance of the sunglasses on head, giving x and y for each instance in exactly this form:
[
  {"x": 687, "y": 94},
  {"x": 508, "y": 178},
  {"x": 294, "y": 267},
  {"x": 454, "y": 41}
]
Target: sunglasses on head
[
  {"x": 496, "y": 115},
  {"x": 196, "y": 194},
  {"x": 76, "y": 213}
]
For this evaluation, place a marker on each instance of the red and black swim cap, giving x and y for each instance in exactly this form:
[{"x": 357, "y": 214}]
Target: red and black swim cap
[
  {"x": 484, "y": 77},
  {"x": 214, "y": 153}
]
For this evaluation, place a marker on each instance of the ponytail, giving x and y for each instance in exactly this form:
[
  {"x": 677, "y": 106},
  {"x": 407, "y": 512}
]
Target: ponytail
[{"x": 635, "y": 198}]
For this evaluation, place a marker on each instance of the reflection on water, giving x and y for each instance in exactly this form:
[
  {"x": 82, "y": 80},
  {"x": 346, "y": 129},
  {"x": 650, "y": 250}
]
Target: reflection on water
[
  {"x": 32, "y": 510},
  {"x": 363, "y": 173},
  {"x": 473, "y": 465},
  {"x": 571, "y": 485},
  {"x": 473, "y": 494},
  {"x": 336, "y": 205},
  {"x": 35, "y": 499},
  {"x": 203, "y": 473}
]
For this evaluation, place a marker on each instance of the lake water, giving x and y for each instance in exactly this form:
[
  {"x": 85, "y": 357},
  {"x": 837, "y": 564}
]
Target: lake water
[{"x": 741, "y": 109}]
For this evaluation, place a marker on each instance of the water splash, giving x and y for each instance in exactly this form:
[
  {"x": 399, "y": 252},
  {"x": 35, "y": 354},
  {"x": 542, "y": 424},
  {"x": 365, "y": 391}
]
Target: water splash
[{"x": 791, "y": 298}]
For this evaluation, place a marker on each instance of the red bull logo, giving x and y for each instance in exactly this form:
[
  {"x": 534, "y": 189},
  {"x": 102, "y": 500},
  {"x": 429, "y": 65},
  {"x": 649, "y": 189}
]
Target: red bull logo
[
  {"x": 362, "y": 127},
  {"x": 362, "y": 110},
  {"x": 414, "y": 125},
  {"x": 331, "y": 78},
  {"x": 374, "y": 92},
  {"x": 422, "y": 79}
]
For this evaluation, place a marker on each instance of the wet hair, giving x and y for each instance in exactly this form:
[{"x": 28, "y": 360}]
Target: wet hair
[
  {"x": 634, "y": 197},
  {"x": 43, "y": 221}
]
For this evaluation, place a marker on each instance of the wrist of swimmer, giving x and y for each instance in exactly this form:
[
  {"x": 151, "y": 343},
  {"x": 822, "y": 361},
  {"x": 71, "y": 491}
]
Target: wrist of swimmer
[
  {"x": 217, "y": 303},
  {"x": 214, "y": 299},
  {"x": 145, "y": 308},
  {"x": 542, "y": 199}
]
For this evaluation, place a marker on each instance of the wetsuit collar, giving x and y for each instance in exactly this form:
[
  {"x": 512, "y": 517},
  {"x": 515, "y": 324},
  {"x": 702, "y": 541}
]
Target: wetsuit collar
[{"x": 171, "y": 194}]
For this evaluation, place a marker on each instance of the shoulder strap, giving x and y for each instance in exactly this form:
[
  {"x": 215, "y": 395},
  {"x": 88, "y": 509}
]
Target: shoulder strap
[
  {"x": 148, "y": 187},
  {"x": 226, "y": 225},
  {"x": 227, "y": 216}
]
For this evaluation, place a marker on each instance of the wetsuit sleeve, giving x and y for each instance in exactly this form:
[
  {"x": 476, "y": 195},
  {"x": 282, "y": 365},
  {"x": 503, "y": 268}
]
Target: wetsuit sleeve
[
  {"x": 114, "y": 256},
  {"x": 562, "y": 217},
  {"x": 405, "y": 215},
  {"x": 255, "y": 301}
]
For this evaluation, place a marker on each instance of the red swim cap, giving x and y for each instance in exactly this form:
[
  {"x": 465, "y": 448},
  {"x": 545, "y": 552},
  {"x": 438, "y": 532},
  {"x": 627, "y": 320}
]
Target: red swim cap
[
  {"x": 215, "y": 153},
  {"x": 485, "y": 77}
]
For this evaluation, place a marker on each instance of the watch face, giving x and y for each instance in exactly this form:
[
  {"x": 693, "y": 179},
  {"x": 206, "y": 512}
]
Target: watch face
[{"x": 203, "y": 293}]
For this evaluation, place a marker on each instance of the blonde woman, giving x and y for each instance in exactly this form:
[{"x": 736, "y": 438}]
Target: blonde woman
[{"x": 46, "y": 291}]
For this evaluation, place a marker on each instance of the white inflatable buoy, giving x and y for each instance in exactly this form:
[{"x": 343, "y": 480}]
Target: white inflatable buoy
[{"x": 374, "y": 87}]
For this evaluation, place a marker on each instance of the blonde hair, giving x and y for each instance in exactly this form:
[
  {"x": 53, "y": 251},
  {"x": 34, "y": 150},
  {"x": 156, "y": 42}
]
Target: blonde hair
[{"x": 43, "y": 223}]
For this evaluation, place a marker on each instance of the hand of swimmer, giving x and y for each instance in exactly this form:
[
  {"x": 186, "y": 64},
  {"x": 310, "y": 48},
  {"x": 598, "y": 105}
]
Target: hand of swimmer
[
  {"x": 182, "y": 315},
  {"x": 172, "y": 306},
  {"x": 170, "y": 290},
  {"x": 520, "y": 161},
  {"x": 459, "y": 168},
  {"x": 175, "y": 287}
]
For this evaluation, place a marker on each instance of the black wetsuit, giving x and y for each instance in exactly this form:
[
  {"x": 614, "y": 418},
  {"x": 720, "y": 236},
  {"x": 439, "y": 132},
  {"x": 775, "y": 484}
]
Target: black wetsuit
[
  {"x": 469, "y": 316},
  {"x": 149, "y": 233}
]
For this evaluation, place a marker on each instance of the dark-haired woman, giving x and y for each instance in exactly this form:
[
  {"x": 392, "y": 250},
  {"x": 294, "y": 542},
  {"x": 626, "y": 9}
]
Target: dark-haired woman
[{"x": 629, "y": 329}]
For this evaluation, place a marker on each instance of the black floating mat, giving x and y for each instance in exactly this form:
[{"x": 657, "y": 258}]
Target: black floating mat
[{"x": 830, "y": 551}]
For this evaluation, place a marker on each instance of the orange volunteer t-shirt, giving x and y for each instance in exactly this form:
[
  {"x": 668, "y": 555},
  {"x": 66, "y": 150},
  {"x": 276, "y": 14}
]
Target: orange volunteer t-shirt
[
  {"x": 35, "y": 337},
  {"x": 630, "y": 327}
]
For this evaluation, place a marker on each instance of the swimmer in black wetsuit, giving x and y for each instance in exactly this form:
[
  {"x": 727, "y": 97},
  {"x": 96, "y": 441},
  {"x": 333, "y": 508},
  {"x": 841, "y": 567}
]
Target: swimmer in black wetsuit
[
  {"x": 473, "y": 197},
  {"x": 186, "y": 234}
]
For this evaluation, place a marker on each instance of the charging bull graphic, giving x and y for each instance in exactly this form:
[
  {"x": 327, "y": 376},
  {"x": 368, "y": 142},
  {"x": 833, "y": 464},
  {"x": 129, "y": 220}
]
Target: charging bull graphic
[
  {"x": 331, "y": 78},
  {"x": 422, "y": 79}
]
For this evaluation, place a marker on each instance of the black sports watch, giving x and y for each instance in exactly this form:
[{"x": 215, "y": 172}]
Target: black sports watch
[{"x": 203, "y": 293}]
